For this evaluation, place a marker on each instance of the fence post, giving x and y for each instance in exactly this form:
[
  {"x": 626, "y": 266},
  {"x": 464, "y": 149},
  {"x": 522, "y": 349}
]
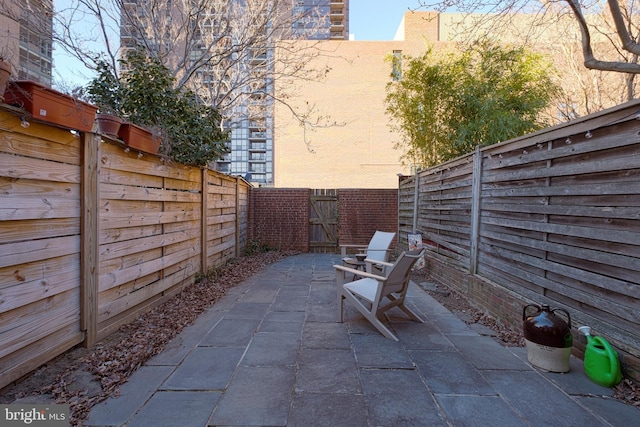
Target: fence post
[
  {"x": 476, "y": 190},
  {"x": 203, "y": 234},
  {"x": 237, "y": 231},
  {"x": 89, "y": 258},
  {"x": 416, "y": 198}
]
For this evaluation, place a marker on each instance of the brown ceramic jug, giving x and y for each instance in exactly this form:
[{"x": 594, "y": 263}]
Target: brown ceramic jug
[{"x": 548, "y": 337}]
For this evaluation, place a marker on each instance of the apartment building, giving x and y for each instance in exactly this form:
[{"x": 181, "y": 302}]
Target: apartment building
[
  {"x": 321, "y": 19},
  {"x": 252, "y": 142},
  {"x": 251, "y": 121},
  {"x": 26, "y": 38},
  {"x": 352, "y": 145}
]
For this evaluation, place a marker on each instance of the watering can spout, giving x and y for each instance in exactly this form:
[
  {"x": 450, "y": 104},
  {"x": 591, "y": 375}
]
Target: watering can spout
[{"x": 586, "y": 331}]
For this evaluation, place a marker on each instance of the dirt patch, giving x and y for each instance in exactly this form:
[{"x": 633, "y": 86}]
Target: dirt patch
[{"x": 83, "y": 377}]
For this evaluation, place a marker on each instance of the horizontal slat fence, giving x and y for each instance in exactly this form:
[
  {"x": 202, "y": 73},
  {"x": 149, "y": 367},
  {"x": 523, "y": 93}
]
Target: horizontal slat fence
[
  {"x": 407, "y": 209},
  {"x": 92, "y": 236},
  {"x": 223, "y": 203},
  {"x": 149, "y": 233},
  {"x": 549, "y": 218},
  {"x": 40, "y": 222}
]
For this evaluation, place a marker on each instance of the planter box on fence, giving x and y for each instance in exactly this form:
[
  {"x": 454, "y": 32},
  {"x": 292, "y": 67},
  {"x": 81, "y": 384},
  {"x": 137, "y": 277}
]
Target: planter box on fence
[
  {"x": 108, "y": 124},
  {"x": 49, "y": 105},
  {"x": 139, "y": 138}
]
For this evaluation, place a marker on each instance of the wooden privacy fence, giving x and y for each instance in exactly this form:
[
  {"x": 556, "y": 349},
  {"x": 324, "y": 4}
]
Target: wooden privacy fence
[
  {"x": 549, "y": 218},
  {"x": 91, "y": 237}
]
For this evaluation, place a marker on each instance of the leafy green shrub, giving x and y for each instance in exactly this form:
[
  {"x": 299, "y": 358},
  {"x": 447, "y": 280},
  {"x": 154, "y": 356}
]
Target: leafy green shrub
[
  {"x": 145, "y": 95},
  {"x": 105, "y": 91}
]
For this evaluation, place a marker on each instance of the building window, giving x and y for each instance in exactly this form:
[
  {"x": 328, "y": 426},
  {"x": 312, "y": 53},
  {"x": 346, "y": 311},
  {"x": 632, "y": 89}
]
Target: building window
[{"x": 257, "y": 168}]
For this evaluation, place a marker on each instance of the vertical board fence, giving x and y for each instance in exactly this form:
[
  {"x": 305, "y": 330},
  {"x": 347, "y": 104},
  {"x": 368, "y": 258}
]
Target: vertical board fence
[
  {"x": 323, "y": 220},
  {"x": 548, "y": 218},
  {"x": 91, "y": 237}
]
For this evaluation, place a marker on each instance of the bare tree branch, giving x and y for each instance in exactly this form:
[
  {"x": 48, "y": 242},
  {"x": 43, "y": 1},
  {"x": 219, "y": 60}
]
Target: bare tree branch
[
  {"x": 628, "y": 43},
  {"x": 222, "y": 50},
  {"x": 590, "y": 60},
  {"x": 623, "y": 22}
]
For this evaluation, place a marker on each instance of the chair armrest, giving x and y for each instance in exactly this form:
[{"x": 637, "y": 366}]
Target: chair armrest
[
  {"x": 359, "y": 273},
  {"x": 375, "y": 261},
  {"x": 343, "y": 248},
  {"x": 378, "y": 250}
]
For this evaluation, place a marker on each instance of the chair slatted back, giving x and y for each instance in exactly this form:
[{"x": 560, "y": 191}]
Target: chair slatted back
[
  {"x": 379, "y": 245},
  {"x": 399, "y": 275}
]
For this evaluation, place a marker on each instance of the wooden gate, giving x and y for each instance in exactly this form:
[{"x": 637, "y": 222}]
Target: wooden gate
[{"x": 323, "y": 221}]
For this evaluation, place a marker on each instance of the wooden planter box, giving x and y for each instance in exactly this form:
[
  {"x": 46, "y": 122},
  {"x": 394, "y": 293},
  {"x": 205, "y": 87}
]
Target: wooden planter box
[
  {"x": 139, "y": 138},
  {"x": 51, "y": 106}
]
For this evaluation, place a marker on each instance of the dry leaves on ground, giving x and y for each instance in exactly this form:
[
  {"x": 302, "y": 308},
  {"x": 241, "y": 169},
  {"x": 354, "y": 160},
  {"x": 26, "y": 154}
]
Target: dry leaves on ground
[
  {"x": 84, "y": 377},
  {"x": 459, "y": 305}
]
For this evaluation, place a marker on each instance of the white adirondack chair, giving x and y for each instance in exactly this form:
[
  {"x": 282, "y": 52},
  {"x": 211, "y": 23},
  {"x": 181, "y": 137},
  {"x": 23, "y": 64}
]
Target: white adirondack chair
[
  {"x": 376, "y": 252},
  {"x": 373, "y": 295}
]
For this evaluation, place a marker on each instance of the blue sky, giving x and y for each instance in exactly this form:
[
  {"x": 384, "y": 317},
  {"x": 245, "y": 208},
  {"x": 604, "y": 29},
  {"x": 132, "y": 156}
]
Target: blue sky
[{"x": 377, "y": 19}]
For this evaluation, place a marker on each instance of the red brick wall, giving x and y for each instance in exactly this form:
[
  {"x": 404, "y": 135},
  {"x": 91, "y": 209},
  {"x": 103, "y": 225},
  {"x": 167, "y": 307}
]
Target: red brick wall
[
  {"x": 363, "y": 211},
  {"x": 279, "y": 218}
]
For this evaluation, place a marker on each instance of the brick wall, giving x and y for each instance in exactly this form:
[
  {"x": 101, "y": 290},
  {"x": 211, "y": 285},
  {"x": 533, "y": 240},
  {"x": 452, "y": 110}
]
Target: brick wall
[
  {"x": 422, "y": 26},
  {"x": 279, "y": 218},
  {"x": 353, "y": 145},
  {"x": 363, "y": 211}
]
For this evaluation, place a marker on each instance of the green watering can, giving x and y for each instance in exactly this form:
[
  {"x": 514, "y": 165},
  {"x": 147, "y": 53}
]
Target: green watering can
[{"x": 601, "y": 362}]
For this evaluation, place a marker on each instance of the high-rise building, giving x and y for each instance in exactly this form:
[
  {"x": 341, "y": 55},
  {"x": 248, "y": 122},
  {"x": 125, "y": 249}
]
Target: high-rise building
[
  {"x": 251, "y": 146},
  {"x": 26, "y": 38},
  {"x": 247, "y": 73},
  {"x": 321, "y": 19}
]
